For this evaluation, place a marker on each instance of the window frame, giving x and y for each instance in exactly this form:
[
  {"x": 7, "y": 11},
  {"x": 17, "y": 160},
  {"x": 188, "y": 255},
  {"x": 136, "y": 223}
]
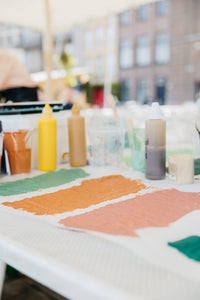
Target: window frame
[
  {"x": 130, "y": 48},
  {"x": 158, "y": 61},
  {"x": 162, "y": 8},
  {"x": 142, "y": 17},
  {"x": 142, "y": 47}
]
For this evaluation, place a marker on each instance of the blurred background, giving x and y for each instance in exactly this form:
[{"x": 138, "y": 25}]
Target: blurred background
[{"x": 145, "y": 53}]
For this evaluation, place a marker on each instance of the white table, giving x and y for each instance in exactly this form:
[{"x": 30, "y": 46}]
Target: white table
[{"x": 88, "y": 265}]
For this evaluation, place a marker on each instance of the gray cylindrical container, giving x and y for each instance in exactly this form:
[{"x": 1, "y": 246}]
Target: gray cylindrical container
[{"x": 155, "y": 144}]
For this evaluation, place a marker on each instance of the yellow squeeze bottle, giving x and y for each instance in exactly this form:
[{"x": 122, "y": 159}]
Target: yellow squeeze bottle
[{"x": 47, "y": 140}]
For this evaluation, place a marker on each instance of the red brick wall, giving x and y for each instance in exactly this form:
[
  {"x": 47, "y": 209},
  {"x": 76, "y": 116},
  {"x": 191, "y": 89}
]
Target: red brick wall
[{"x": 183, "y": 71}]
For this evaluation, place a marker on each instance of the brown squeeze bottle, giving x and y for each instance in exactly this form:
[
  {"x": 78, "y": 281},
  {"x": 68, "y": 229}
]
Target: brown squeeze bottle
[
  {"x": 155, "y": 144},
  {"x": 77, "y": 143}
]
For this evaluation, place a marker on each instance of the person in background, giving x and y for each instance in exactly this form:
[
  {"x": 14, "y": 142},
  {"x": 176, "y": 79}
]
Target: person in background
[{"x": 16, "y": 84}]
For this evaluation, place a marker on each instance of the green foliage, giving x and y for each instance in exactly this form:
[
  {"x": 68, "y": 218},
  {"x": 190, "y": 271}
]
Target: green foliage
[
  {"x": 67, "y": 62},
  {"x": 89, "y": 90},
  {"x": 116, "y": 90}
]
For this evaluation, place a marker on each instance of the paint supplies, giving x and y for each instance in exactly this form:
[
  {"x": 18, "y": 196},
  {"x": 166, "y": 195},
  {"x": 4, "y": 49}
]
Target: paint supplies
[
  {"x": 77, "y": 141},
  {"x": 18, "y": 147},
  {"x": 181, "y": 168},
  {"x": 47, "y": 140},
  {"x": 155, "y": 144},
  {"x": 137, "y": 143},
  {"x": 106, "y": 143},
  {"x": 1, "y": 147}
]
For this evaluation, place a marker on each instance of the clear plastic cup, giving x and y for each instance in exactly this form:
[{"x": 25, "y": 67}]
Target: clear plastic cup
[
  {"x": 18, "y": 147},
  {"x": 106, "y": 146},
  {"x": 137, "y": 143}
]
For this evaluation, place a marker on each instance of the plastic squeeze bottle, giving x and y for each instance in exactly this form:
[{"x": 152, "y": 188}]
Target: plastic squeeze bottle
[
  {"x": 155, "y": 143},
  {"x": 77, "y": 143},
  {"x": 47, "y": 142}
]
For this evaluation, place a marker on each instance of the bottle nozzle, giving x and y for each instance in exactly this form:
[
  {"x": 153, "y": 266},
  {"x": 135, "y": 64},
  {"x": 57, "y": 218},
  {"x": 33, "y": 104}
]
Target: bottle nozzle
[
  {"x": 155, "y": 111},
  {"x": 75, "y": 109},
  {"x": 47, "y": 110}
]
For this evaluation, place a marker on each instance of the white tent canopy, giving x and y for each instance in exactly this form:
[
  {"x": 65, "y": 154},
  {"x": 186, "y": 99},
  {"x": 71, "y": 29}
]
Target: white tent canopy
[
  {"x": 64, "y": 13},
  {"x": 58, "y": 16}
]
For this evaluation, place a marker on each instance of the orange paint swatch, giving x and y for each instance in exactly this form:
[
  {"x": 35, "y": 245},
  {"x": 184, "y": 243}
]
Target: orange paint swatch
[
  {"x": 90, "y": 192},
  {"x": 157, "y": 209}
]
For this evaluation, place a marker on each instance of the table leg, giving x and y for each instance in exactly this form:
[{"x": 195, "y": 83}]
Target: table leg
[{"x": 2, "y": 275}]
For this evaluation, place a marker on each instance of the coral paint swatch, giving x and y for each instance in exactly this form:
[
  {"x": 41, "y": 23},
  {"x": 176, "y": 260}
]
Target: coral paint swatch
[
  {"x": 90, "y": 192},
  {"x": 157, "y": 209}
]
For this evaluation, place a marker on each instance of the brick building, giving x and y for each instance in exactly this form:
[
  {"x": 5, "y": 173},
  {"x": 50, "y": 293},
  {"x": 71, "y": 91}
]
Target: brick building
[{"x": 159, "y": 51}]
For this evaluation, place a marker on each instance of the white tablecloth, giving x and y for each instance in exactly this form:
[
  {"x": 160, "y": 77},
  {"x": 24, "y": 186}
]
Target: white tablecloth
[{"x": 87, "y": 265}]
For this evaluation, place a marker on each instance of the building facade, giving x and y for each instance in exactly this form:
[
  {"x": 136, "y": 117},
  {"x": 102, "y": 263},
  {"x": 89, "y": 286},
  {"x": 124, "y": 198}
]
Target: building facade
[
  {"x": 158, "y": 52},
  {"x": 185, "y": 50},
  {"x": 100, "y": 49},
  {"x": 25, "y": 43}
]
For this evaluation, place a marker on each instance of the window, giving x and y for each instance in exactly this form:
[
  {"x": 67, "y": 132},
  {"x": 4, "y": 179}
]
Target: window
[
  {"x": 89, "y": 64},
  {"x": 69, "y": 47},
  {"x": 14, "y": 36},
  {"x": 162, "y": 8},
  {"x": 126, "y": 54},
  {"x": 111, "y": 35},
  {"x": 143, "y": 12},
  {"x": 34, "y": 60},
  {"x": 30, "y": 37},
  {"x": 125, "y": 90},
  {"x": 99, "y": 67},
  {"x": 99, "y": 37},
  {"x": 161, "y": 90},
  {"x": 143, "y": 51},
  {"x": 162, "y": 54},
  {"x": 125, "y": 18},
  {"x": 88, "y": 39},
  {"x": 142, "y": 91}
]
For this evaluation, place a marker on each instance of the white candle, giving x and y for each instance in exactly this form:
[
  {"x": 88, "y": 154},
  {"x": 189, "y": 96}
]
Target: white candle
[{"x": 181, "y": 167}]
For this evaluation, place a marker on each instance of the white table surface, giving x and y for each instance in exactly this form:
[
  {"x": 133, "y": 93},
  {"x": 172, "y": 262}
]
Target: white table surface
[{"x": 87, "y": 265}]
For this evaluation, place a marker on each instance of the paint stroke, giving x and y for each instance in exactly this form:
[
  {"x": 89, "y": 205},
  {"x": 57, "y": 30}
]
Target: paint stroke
[
  {"x": 189, "y": 246},
  {"x": 90, "y": 192},
  {"x": 157, "y": 209},
  {"x": 47, "y": 180}
]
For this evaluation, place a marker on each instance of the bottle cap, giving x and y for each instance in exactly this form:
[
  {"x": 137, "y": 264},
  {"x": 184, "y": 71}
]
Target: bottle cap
[
  {"x": 75, "y": 109},
  {"x": 155, "y": 111},
  {"x": 47, "y": 111}
]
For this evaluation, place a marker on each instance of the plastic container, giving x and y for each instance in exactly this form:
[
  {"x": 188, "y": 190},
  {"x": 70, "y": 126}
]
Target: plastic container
[
  {"x": 47, "y": 140},
  {"x": 1, "y": 147},
  {"x": 77, "y": 140},
  {"x": 155, "y": 144},
  {"x": 181, "y": 168},
  {"x": 137, "y": 144},
  {"x": 18, "y": 147},
  {"x": 106, "y": 146}
]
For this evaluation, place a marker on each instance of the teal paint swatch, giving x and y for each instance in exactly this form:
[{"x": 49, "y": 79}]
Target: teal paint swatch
[
  {"x": 189, "y": 246},
  {"x": 47, "y": 180}
]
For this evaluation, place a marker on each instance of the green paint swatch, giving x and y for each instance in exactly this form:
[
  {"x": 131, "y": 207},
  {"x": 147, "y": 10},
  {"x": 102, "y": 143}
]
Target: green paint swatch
[
  {"x": 43, "y": 181},
  {"x": 189, "y": 246}
]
